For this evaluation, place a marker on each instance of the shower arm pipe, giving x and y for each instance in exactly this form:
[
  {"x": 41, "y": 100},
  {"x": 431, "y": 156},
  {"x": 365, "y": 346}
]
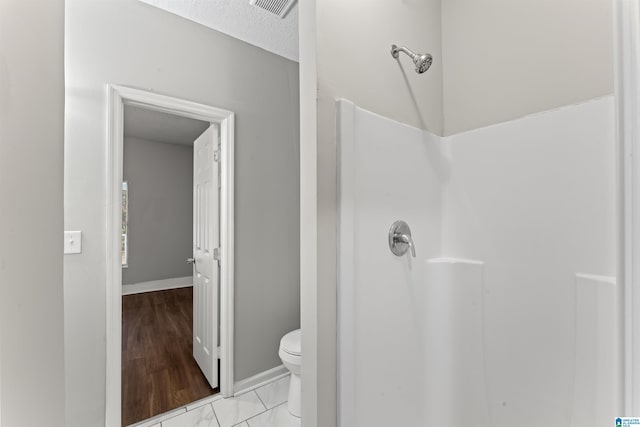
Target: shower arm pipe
[{"x": 395, "y": 49}]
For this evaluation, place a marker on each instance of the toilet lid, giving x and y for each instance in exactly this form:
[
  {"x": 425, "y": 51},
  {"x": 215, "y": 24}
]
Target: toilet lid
[{"x": 291, "y": 343}]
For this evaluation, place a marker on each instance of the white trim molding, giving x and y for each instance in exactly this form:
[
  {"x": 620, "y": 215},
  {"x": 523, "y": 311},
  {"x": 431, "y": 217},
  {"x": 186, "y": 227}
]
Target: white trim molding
[
  {"x": 157, "y": 285},
  {"x": 309, "y": 211},
  {"x": 117, "y": 97},
  {"x": 627, "y": 87},
  {"x": 260, "y": 379},
  {"x": 346, "y": 261}
]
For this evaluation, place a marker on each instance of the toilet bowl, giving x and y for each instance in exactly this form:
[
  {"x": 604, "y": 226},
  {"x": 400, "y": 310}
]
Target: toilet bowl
[{"x": 291, "y": 356}]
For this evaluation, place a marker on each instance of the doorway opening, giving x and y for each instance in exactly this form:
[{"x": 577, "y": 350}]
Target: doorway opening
[
  {"x": 170, "y": 282},
  {"x": 163, "y": 361}
]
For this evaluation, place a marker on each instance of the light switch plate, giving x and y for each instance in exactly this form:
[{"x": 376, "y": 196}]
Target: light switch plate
[{"x": 72, "y": 242}]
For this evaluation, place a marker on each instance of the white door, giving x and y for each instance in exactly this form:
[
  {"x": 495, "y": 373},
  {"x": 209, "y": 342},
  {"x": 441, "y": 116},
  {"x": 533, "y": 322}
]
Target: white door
[{"x": 206, "y": 240}]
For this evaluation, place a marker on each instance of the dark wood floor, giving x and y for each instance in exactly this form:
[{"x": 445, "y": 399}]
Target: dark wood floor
[{"x": 158, "y": 369}]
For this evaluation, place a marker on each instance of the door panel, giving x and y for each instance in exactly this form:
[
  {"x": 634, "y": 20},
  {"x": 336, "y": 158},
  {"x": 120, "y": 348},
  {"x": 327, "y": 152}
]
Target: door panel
[{"x": 206, "y": 238}]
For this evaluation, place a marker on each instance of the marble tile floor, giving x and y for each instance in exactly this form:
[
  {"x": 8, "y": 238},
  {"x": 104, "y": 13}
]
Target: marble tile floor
[{"x": 266, "y": 406}]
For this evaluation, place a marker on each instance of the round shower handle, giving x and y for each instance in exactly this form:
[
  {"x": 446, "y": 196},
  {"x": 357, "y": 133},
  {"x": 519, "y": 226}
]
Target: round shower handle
[{"x": 400, "y": 240}]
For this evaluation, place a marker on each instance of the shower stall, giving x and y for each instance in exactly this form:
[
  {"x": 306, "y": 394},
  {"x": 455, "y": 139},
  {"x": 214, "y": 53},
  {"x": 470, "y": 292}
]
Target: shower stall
[
  {"x": 508, "y": 313},
  {"x": 467, "y": 237}
]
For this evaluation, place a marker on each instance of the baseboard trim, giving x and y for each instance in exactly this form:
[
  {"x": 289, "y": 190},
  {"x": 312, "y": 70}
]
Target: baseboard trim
[
  {"x": 260, "y": 379},
  {"x": 157, "y": 285}
]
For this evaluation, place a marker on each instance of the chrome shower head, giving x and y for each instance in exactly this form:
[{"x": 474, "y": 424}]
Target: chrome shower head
[{"x": 422, "y": 62}]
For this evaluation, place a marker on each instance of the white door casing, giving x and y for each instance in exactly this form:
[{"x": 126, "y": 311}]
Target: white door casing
[
  {"x": 206, "y": 241},
  {"x": 117, "y": 97}
]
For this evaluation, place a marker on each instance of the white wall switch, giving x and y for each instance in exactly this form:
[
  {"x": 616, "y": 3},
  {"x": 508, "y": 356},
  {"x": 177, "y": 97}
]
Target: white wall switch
[{"x": 72, "y": 242}]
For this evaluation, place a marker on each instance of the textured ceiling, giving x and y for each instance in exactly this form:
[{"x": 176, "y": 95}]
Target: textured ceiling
[
  {"x": 161, "y": 127},
  {"x": 239, "y": 19}
]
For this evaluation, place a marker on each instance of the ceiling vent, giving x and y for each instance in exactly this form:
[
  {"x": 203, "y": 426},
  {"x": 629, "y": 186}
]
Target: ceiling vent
[{"x": 277, "y": 7}]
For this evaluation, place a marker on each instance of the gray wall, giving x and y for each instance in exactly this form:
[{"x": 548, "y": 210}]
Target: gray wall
[
  {"x": 354, "y": 60},
  {"x": 129, "y": 43},
  {"x": 505, "y": 59},
  {"x": 31, "y": 165},
  {"x": 160, "y": 178}
]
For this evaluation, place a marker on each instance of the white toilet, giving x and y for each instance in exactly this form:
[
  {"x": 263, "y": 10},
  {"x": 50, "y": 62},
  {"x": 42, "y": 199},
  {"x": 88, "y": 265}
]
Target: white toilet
[{"x": 291, "y": 356}]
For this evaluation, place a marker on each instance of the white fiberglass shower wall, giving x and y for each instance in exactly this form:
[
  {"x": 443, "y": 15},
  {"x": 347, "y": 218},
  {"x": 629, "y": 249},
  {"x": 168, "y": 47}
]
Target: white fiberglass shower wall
[{"x": 508, "y": 313}]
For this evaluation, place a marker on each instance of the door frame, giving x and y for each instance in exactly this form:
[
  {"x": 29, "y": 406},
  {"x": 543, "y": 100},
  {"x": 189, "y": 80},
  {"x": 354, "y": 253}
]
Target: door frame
[
  {"x": 627, "y": 95},
  {"x": 117, "y": 98}
]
